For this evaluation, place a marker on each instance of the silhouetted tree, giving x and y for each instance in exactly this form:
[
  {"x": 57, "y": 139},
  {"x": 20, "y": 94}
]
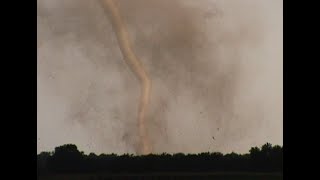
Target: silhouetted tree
[
  {"x": 42, "y": 159},
  {"x": 68, "y": 159}
]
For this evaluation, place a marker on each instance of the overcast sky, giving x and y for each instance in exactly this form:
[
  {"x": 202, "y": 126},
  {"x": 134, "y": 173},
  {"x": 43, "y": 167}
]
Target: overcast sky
[{"x": 216, "y": 70}]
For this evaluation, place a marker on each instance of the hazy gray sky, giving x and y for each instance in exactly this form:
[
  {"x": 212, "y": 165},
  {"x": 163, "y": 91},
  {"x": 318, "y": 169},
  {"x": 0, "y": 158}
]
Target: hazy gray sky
[{"x": 216, "y": 68}]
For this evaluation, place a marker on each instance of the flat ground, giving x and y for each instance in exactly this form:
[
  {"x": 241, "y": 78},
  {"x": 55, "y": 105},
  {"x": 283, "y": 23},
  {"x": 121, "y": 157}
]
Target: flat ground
[{"x": 168, "y": 176}]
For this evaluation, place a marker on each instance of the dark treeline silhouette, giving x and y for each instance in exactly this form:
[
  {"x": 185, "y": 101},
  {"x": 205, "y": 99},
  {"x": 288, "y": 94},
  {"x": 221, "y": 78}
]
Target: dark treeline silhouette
[{"x": 68, "y": 159}]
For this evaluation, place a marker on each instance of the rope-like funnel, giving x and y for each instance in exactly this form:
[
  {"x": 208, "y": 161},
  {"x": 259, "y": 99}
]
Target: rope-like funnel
[{"x": 136, "y": 66}]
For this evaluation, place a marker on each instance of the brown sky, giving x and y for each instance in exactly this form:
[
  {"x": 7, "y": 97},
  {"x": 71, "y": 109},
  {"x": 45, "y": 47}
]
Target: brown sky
[{"x": 213, "y": 63}]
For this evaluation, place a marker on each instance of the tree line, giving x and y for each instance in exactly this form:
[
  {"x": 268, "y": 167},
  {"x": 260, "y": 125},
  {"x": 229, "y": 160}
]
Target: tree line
[{"x": 68, "y": 159}]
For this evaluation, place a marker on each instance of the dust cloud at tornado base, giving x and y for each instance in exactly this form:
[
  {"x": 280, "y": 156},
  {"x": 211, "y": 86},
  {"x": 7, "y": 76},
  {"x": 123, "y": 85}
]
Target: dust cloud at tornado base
[{"x": 216, "y": 70}]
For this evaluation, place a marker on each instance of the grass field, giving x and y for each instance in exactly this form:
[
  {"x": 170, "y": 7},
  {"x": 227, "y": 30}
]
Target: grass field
[{"x": 167, "y": 176}]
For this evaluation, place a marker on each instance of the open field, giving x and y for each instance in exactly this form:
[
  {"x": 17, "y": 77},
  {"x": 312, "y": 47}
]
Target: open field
[{"x": 168, "y": 176}]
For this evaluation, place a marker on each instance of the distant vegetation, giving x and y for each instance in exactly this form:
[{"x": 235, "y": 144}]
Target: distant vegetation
[{"x": 67, "y": 159}]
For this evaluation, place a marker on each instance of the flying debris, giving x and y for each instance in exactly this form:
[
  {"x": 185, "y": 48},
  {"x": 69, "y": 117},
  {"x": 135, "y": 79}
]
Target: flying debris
[{"x": 213, "y": 138}]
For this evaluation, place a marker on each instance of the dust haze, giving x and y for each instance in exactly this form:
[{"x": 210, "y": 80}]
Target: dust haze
[{"x": 215, "y": 66}]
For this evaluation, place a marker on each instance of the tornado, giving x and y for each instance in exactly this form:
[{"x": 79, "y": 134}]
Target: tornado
[{"x": 136, "y": 66}]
